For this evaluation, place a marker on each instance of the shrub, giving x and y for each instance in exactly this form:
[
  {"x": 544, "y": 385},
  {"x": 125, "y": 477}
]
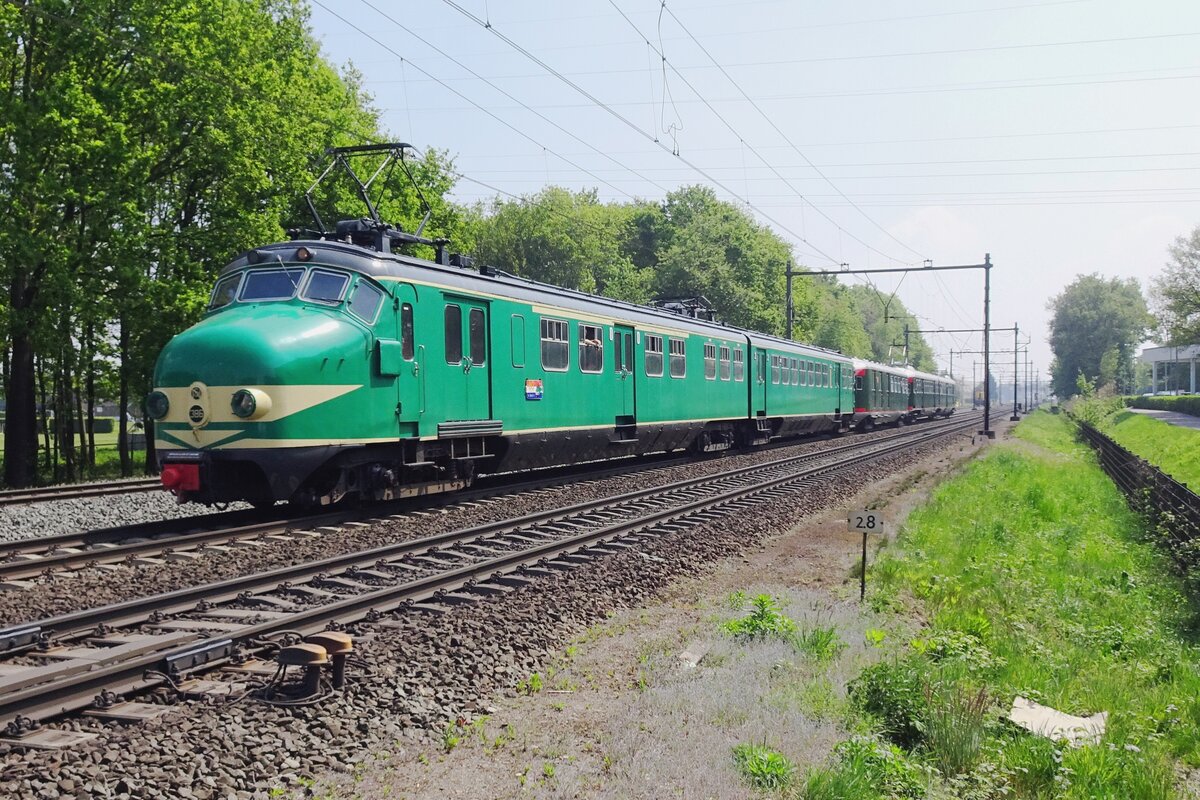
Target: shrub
[
  {"x": 764, "y": 620},
  {"x": 819, "y": 643},
  {"x": 762, "y": 767},
  {"x": 865, "y": 766},
  {"x": 1187, "y": 404},
  {"x": 894, "y": 693}
]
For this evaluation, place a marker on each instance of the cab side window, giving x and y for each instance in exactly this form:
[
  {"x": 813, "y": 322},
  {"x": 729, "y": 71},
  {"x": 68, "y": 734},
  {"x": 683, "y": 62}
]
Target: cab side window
[
  {"x": 406, "y": 332},
  {"x": 365, "y": 301}
]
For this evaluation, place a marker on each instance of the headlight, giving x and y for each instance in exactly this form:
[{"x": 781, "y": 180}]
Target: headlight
[
  {"x": 157, "y": 405},
  {"x": 250, "y": 404}
]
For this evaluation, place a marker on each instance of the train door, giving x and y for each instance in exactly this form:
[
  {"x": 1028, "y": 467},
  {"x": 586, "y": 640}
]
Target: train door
[
  {"x": 758, "y": 388},
  {"x": 410, "y": 389},
  {"x": 465, "y": 360},
  {"x": 624, "y": 372}
]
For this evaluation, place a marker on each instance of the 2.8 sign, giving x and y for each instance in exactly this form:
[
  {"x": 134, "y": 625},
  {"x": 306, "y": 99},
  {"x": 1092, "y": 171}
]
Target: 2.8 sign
[{"x": 866, "y": 522}]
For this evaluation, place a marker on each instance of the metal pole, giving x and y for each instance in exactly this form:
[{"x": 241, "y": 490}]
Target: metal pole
[
  {"x": 1016, "y": 352},
  {"x": 790, "y": 310},
  {"x": 862, "y": 588},
  {"x": 973, "y": 363},
  {"x": 906, "y": 343},
  {"x": 987, "y": 331}
]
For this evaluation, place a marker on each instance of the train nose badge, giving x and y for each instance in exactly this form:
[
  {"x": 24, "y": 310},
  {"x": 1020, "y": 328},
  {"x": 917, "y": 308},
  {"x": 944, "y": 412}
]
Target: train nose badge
[{"x": 197, "y": 413}]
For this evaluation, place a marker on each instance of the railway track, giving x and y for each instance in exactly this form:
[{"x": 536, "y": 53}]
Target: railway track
[
  {"x": 187, "y": 538},
  {"x": 13, "y": 497},
  {"x": 60, "y": 665}
]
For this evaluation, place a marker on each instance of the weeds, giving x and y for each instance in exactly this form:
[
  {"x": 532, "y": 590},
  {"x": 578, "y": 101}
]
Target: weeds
[
  {"x": 762, "y": 767},
  {"x": 955, "y": 727},
  {"x": 820, "y": 643},
  {"x": 764, "y": 621}
]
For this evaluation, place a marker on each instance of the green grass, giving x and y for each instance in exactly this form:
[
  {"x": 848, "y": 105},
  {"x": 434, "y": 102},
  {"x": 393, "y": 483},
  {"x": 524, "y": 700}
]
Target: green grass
[
  {"x": 1174, "y": 450},
  {"x": 108, "y": 460},
  {"x": 1035, "y": 580}
]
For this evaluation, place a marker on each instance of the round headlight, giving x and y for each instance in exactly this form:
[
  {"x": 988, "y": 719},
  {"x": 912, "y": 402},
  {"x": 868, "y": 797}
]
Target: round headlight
[
  {"x": 157, "y": 405},
  {"x": 250, "y": 403}
]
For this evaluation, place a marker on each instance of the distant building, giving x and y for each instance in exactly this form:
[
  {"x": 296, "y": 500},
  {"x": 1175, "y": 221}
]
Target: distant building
[{"x": 1172, "y": 369}]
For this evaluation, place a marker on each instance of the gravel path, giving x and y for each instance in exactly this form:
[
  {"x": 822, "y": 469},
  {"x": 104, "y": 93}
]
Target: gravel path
[{"x": 424, "y": 671}]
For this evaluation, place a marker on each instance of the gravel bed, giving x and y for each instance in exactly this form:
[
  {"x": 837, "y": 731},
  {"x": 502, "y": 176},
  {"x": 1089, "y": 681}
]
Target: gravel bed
[
  {"x": 425, "y": 671},
  {"x": 54, "y": 517}
]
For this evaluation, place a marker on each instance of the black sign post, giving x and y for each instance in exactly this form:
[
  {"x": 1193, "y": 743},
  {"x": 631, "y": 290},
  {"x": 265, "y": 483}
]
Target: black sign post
[{"x": 868, "y": 522}]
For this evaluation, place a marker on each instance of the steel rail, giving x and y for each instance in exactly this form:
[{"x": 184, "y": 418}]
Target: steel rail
[
  {"x": 42, "y": 701},
  {"x": 12, "y": 497}
]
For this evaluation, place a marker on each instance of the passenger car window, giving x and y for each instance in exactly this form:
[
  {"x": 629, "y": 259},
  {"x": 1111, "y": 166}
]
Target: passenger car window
[
  {"x": 724, "y": 363},
  {"x": 654, "y": 356},
  {"x": 710, "y": 362},
  {"x": 739, "y": 367},
  {"x": 271, "y": 284},
  {"x": 453, "y": 327},
  {"x": 555, "y": 340},
  {"x": 365, "y": 301},
  {"x": 225, "y": 291},
  {"x": 678, "y": 358},
  {"x": 478, "y": 339},
  {"x": 326, "y": 287},
  {"x": 774, "y": 369},
  {"x": 591, "y": 348}
]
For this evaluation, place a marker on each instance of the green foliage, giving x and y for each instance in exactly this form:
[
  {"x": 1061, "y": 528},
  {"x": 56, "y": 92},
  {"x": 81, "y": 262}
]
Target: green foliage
[
  {"x": 1096, "y": 325},
  {"x": 820, "y": 643},
  {"x": 1045, "y": 590},
  {"x": 866, "y": 768},
  {"x": 762, "y": 767},
  {"x": 893, "y": 693},
  {"x": 763, "y": 621},
  {"x": 1176, "y": 291}
]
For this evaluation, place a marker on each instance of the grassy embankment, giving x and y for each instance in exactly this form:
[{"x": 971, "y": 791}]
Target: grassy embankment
[
  {"x": 1031, "y": 578},
  {"x": 1174, "y": 450}
]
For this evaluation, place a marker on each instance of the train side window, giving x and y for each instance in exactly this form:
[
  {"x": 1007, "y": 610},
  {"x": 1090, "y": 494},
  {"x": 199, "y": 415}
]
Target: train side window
[
  {"x": 654, "y": 356},
  {"x": 724, "y": 363},
  {"x": 225, "y": 291},
  {"x": 805, "y": 375},
  {"x": 406, "y": 332},
  {"x": 517, "y": 340},
  {"x": 591, "y": 348},
  {"x": 774, "y": 369},
  {"x": 365, "y": 301},
  {"x": 825, "y": 376},
  {"x": 710, "y": 362},
  {"x": 739, "y": 367},
  {"x": 453, "y": 323},
  {"x": 795, "y": 372},
  {"x": 629, "y": 353},
  {"x": 478, "y": 337},
  {"x": 678, "y": 358},
  {"x": 812, "y": 373},
  {"x": 326, "y": 287},
  {"x": 556, "y": 354},
  {"x": 858, "y": 383},
  {"x": 762, "y": 367}
]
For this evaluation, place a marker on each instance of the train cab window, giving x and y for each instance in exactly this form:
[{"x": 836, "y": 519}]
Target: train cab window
[
  {"x": 724, "y": 363},
  {"x": 678, "y": 358},
  {"x": 365, "y": 301},
  {"x": 225, "y": 291},
  {"x": 654, "y": 356},
  {"x": 478, "y": 337},
  {"x": 453, "y": 325},
  {"x": 406, "y": 332},
  {"x": 326, "y": 287},
  {"x": 271, "y": 284},
  {"x": 739, "y": 366},
  {"x": 591, "y": 348},
  {"x": 556, "y": 355},
  {"x": 710, "y": 362}
]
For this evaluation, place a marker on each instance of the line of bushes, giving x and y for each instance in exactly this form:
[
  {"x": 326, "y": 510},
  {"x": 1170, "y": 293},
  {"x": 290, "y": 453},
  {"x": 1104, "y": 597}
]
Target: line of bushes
[{"x": 1184, "y": 404}]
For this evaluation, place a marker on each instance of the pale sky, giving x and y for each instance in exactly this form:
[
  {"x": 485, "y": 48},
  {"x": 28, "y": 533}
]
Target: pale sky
[{"x": 1062, "y": 137}]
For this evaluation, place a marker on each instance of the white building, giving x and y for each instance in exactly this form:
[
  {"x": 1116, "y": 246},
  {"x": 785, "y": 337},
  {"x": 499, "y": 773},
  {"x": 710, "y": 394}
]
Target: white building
[{"x": 1172, "y": 368}]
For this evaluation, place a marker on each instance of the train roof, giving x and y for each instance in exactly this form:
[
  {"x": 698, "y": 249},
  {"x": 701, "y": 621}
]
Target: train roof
[
  {"x": 905, "y": 371},
  {"x": 394, "y": 266}
]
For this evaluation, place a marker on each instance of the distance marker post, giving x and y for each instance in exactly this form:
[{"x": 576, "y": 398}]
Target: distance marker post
[{"x": 867, "y": 522}]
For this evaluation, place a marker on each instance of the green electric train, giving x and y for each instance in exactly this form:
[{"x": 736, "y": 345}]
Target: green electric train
[{"x": 333, "y": 367}]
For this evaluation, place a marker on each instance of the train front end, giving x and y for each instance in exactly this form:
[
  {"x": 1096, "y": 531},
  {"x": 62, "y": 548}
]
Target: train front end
[{"x": 260, "y": 400}]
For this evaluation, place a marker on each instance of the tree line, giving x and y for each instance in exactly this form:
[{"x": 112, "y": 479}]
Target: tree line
[
  {"x": 1098, "y": 323},
  {"x": 146, "y": 142}
]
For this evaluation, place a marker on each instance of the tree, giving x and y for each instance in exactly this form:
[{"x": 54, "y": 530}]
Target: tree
[
  {"x": 1096, "y": 324},
  {"x": 1176, "y": 293}
]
